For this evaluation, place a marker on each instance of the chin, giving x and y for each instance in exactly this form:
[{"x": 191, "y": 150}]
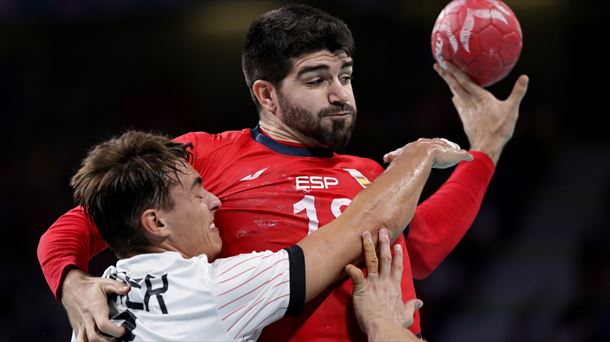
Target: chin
[{"x": 212, "y": 256}]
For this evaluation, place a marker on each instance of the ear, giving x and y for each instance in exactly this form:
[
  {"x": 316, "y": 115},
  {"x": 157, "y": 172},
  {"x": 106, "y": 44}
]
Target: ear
[
  {"x": 154, "y": 223},
  {"x": 266, "y": 95}
]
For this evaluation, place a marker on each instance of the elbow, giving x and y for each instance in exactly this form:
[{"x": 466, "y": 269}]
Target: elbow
[
  {"x": 421, "y": 266},
  {"x": 41, "y": 250}
]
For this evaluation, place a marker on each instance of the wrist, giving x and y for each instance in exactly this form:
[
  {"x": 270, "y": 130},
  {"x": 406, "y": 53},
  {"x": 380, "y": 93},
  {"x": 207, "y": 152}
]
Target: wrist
[
  {"x": 373, "y": 326},
  {"x": 493, "y": 152},
  {"x": 72, "y": 276},
  {"x": 380, "y": 329}
]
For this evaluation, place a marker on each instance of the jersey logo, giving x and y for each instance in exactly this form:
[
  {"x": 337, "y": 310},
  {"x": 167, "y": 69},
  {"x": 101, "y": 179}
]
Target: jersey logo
[
  {"x": 315, "y": 182},
  {"x": 359, "y": 177},
  {"x": 253, "y": 176}
]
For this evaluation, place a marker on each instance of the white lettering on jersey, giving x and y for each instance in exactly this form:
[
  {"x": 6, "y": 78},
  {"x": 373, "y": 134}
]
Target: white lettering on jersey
[
  {"x": 308, "y": 204},
  {"x": 253, "y": 176},
  {"x": 359, "y": 177},
  {"x": 337, "y": 204},
  {"x": 315, "y": 182}
]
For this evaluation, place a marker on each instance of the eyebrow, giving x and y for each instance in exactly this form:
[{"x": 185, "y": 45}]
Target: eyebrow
[{"x": 322, "y": 67}]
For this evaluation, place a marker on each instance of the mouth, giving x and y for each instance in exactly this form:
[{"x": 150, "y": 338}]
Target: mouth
[
  {"x": 213, "y": 227},
  {"x": 338, "y": 114}
]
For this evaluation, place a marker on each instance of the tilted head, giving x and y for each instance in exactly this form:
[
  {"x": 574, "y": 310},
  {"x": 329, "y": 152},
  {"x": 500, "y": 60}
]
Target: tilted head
[
  {"x": 144, "y": 197},
  {"x": 302, "y": 56}
]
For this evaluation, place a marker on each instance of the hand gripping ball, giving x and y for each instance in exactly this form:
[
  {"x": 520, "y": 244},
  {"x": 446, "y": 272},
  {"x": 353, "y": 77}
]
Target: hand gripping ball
[{"x": 481, "y": 37}]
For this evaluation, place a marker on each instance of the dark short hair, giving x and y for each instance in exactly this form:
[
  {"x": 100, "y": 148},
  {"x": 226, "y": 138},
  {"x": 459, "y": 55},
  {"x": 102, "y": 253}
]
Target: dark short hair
[
  {"x": 121, "y": 178},
  {"x": 289, "y": 32}
]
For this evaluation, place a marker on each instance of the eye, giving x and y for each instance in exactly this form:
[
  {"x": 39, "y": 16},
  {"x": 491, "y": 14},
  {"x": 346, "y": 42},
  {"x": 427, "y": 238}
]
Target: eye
[
  {"x": 346, "y": 79},
  {"x": 314, "y": 82}
]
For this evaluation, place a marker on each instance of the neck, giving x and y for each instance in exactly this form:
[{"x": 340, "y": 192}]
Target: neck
[{"x": 278, "y": 130}]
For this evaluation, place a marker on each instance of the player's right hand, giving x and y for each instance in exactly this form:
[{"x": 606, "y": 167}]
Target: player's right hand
[
  {"x": 444, "y": 153},
  {"x": 85, "y": 299}
]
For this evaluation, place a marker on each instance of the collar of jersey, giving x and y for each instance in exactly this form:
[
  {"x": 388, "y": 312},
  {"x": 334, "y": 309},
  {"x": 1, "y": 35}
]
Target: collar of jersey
[{"x": 288, "y": 150}]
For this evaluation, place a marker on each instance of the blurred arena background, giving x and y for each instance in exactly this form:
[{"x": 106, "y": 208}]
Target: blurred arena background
[{"x": 534, "y": 267}]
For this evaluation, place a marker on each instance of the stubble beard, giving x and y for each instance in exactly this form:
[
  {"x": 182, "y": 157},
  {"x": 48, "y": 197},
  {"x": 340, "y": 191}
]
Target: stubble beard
[{"x": 310, "y": 124}]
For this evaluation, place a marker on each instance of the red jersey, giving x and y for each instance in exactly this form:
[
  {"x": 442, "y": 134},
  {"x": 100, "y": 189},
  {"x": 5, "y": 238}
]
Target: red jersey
[{"x": 273, "y": 194}]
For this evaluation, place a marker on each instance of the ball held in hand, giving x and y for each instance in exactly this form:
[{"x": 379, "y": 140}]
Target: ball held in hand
[{"x": 481, "y": 37}]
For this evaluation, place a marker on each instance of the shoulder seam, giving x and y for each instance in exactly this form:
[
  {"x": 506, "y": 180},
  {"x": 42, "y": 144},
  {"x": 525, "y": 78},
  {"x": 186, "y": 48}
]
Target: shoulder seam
[{"x": 212, "y": 151}]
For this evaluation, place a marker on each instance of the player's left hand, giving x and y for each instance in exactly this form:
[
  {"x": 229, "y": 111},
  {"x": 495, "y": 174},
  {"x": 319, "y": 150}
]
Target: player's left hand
[
  {"x": 489, "y": 123},
  {"x": 379, "y": 296}
]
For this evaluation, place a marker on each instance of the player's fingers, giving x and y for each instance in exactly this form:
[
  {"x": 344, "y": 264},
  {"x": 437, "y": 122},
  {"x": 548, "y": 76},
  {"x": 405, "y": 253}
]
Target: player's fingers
[
  {"x": 92, "y": 334},
  {"x": 397, "y": 263},
  {"x": 114, "y": 286},
  {"x": 450, "y": 143},
  {"x": 519, "y": 90},
  {"x": 454, "y": 85},
  {"x": 370, "y": 256},
  {"x": 355, "y": 273},
  {"x": 385, "y": 264},
  {"x": 465, "y": 155},
  {"x": 465, "y": 82},
  {"x": 390, "y": 156},
  {"x": 107, "y": 327},
  {"x": 410, "y": 307},
  {"x": 80, "y": 335}
]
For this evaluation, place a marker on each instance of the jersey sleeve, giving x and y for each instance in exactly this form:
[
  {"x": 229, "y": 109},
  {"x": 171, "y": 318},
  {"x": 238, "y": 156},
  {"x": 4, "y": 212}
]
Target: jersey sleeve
[
  {"x": 205, "y": 147},
  {"x": 253, "y": 290},
  {"x": 441, "y": 221},
  {"x": 70, "y": 242}
]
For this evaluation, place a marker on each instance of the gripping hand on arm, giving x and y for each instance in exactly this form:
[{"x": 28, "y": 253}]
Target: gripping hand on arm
[
  {"x": 85, "y": 299},
  {"x": 389, "y": 202}
]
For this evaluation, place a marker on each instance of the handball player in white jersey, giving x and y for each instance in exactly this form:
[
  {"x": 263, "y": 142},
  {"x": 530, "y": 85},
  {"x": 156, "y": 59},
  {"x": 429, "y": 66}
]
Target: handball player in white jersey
[{"x": 152, "y": 208}]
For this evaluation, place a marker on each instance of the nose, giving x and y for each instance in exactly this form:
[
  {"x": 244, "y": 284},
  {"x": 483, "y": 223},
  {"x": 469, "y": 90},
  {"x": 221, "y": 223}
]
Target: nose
[
  {"x": 214, "y": 202},
  {"x": 338, "y": 93}
]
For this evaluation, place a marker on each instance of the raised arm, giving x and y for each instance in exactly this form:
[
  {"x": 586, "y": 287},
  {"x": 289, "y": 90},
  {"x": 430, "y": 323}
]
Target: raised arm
[
  {"x": 441, "y": 221},
  {"x": 387, "y": 203}
]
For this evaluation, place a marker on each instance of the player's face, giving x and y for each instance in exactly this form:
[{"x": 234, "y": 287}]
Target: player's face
[
  {"x": 191, "y": 219},
  {"x": 316, "y": 98}
]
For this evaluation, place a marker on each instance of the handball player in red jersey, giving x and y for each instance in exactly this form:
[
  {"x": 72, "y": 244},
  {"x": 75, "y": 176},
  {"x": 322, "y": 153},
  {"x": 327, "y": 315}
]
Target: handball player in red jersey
[{"x": 281, "y": 180}]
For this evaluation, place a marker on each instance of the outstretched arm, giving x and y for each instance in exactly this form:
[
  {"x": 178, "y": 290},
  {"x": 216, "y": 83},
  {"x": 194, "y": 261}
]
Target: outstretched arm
[
  {"x": 442, "y": 220},
  {"x": 389, "y": 202}
]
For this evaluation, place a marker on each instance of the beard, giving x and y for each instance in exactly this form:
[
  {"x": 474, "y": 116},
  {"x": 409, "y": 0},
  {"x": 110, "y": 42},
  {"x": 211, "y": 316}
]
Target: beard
[{"x": 337, "y": 134}]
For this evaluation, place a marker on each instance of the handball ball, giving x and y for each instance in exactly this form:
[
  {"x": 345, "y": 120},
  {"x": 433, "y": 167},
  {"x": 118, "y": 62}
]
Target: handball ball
[{"x": 481, "y": 37}]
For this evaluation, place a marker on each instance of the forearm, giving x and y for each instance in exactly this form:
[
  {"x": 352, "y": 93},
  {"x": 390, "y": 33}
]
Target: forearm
[
  {"x": 70, "y": 242},
  {"x": 389, "y": 202},
  {"x": 442, "y": 220}
]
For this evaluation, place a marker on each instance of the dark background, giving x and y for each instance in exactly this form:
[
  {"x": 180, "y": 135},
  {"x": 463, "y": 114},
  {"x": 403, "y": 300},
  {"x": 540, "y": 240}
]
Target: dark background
[{"x": 535, "y": 266}]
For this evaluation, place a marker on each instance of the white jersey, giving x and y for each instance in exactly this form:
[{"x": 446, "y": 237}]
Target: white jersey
[{"x": 231, "y": 299}]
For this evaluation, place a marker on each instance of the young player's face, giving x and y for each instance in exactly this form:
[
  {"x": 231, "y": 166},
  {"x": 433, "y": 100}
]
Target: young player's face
[
  {"x": 191, "y": 219},
  {"x": 317, "y": 100}
]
